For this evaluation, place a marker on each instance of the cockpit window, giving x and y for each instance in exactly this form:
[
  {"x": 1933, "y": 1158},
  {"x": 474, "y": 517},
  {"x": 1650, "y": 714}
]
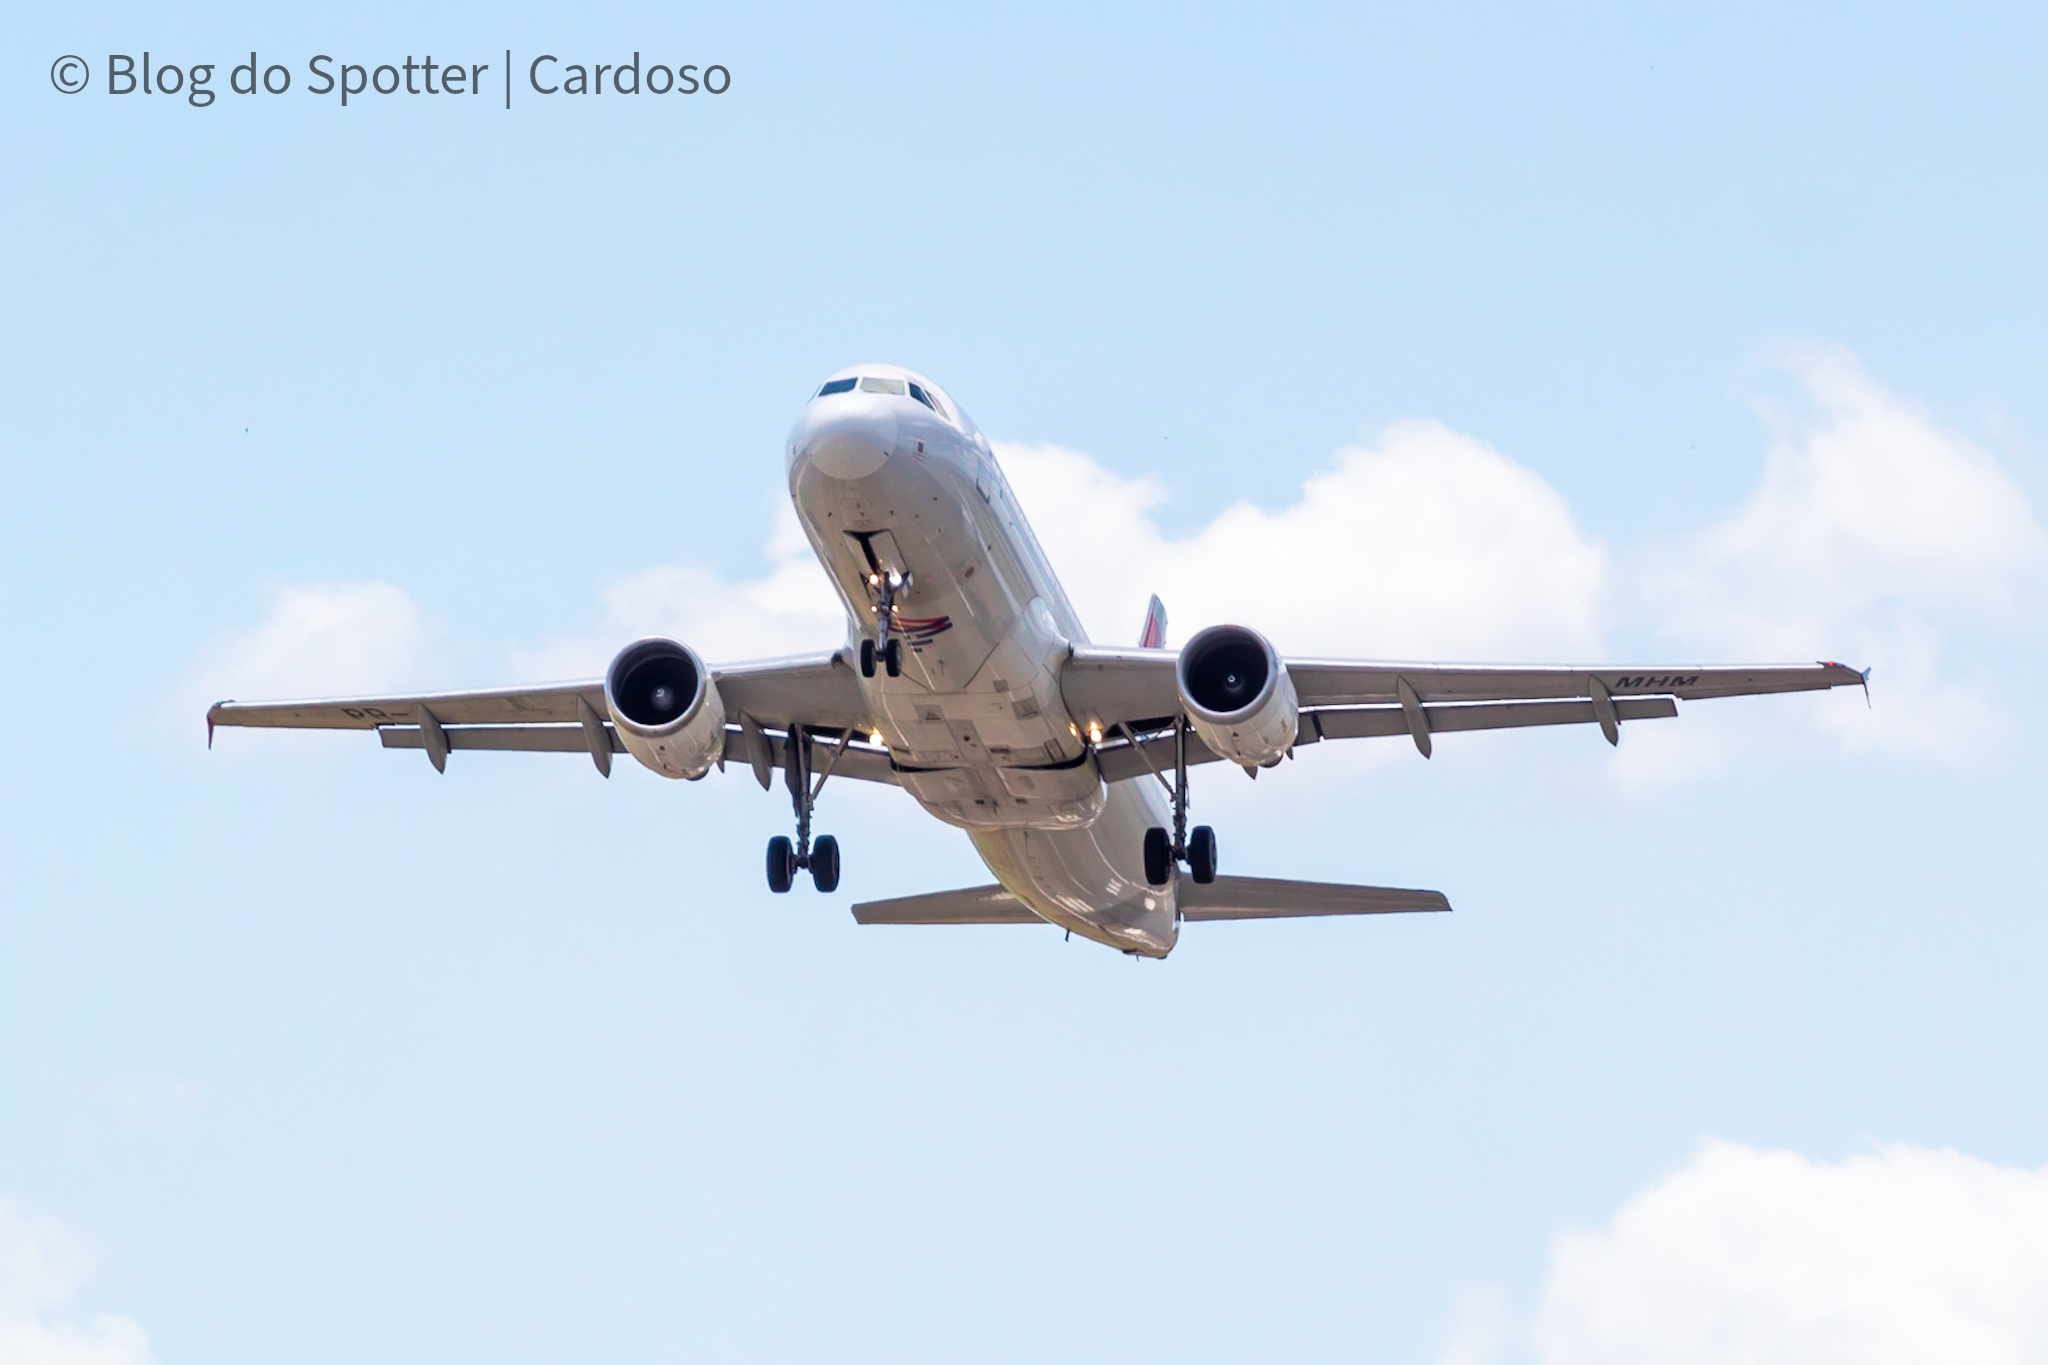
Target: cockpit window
[
  {"x": 917, "y": 392},
  {"x": 838, "y": 386},
  {"x": 875, "y": 384}
]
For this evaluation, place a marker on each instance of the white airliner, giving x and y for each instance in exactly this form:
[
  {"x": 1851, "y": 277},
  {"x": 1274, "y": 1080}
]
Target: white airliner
[{"x": 967, "y": 680}]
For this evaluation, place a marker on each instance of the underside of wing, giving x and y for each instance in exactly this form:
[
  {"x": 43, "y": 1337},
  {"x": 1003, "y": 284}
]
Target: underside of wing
[
  {"x": 1276, "y": 898},
  {"x": 1336, "y": 682},
  {"x": 765, "y": 702},
  {"x": 975, "y": 905},
  {"x": 1132, "y": 697}
]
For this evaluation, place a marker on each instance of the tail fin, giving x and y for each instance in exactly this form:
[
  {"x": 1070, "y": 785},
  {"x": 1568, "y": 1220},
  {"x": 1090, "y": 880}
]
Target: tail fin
[{"x": 1153, "y": 634}]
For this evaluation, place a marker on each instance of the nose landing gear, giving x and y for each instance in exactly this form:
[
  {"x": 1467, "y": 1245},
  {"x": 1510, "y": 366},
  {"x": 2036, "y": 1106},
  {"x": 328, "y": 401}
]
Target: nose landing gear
[
  {"x": 787, "y": 858},
  {"x": 886, "y": 647},
  {"x": 1162, "y": 850}
]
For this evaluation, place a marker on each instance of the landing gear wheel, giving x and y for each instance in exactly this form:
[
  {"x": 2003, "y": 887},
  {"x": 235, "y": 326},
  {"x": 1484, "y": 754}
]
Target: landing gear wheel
[
  {"x": 867, "y": 658},
  {"x": 1202, "y": 855},
  {"x": 1158, "y": 856},
  {"x": 892, "y": 658},
  {"x": 825, "y": 863},
  {"x": 781, "y": 864}
]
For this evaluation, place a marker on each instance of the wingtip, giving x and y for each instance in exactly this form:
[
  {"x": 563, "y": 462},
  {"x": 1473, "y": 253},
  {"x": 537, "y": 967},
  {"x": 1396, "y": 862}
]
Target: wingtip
[{"x": 1862, "y": 676}]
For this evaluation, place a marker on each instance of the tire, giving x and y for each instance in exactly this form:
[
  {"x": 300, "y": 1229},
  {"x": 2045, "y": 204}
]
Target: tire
[
  {"x": 892, "y": 657},
  {"x": 1202, "y": 855},
  {"x": 867, "y": 658},
  {"x": 1158, "y": 856},
  {"x": 781, "y": 864},
  {"x": 825, "y": 864}
]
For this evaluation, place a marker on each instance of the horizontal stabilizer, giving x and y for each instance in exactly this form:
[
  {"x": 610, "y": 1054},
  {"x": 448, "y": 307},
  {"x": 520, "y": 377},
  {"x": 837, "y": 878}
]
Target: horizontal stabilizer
[
  {"x": 975, "y": 905},
  {"x": 1276, "y": 898}
]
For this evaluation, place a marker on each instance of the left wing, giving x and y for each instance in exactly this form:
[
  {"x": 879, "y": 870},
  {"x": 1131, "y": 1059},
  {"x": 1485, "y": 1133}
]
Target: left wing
[
  {"x": 1136, "y": 689},
  {"x": 815, "y": 693}
]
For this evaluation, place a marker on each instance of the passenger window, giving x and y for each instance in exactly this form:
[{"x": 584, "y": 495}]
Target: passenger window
[
  {"x": 874, "y": 384},
  {"x": 837, "y": 386}
]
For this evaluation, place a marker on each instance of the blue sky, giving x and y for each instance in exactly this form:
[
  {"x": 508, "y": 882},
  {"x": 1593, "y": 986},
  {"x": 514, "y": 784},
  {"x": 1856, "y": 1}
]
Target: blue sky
[{"x": 1481, "y": 332}]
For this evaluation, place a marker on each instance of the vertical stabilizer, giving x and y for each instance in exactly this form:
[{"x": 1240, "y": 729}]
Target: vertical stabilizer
[{"x": 1153, "y": 634}]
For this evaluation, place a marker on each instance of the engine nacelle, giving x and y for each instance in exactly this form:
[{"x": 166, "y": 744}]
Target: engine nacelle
[
  {"x": 667, "y": 710},
  {"x": 1238, "y": 695}
]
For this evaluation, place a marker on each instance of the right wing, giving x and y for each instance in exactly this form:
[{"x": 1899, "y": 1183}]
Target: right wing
[{"x": 816, "y": 692}]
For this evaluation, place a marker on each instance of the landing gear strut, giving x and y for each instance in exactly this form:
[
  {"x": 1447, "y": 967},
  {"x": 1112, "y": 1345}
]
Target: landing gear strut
[
  {"x": 885, "y": 646},
  {"x": 820, "y": 858},
  {"x": 1162, "y": 850}
]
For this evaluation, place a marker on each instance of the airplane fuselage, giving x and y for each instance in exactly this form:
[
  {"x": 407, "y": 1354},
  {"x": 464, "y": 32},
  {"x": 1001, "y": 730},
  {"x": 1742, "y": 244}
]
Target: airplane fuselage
[{"x": 888, "y": 475}]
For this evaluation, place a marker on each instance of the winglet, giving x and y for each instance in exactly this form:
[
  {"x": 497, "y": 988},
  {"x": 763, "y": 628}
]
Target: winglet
[
  {"x": 1862, "y": 676},
  {"x": 1152, "y": 635}
]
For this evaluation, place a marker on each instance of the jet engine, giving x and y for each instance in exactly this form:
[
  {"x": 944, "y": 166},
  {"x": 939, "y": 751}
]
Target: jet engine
[
  {"x": 1238, "y": 695},
  {"x": 666, "y": 707}
]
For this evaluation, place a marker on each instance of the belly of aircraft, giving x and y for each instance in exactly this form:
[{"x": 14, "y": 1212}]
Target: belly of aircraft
[
  {"x": 976, "y": 722},
  {"x": 1091, "y": 881}
]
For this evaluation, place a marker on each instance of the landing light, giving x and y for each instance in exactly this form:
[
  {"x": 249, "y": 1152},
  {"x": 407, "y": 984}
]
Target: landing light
[
  {"x": 875, "y": 737},
  {"x": 1095, "y": 732}
]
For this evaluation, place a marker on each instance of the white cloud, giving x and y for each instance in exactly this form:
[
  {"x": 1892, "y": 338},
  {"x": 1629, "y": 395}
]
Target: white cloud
[
  {"x": 1872, "y": 536},
  {"x": 1427, "y": 544},
  {"x": 1900, "y": 1255},
  {"x": 42, "y": 1266},
  {"x": 1482, "y": 1328},
  {"x": 322, "y": 639},
  {"x": 789, "y": 610}
]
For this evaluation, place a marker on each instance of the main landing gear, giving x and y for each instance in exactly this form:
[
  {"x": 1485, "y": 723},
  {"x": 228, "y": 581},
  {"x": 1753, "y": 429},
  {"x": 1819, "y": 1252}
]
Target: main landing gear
[
  {"x": 1163, "y": 850},
  {"x": 886, "y": 647},
  {"x": 820, "y": 858}
]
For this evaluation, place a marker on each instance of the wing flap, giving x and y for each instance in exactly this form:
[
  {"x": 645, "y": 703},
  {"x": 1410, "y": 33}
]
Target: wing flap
[
  {"x": 1276, "y": 898},
  {"x": 1119, "y": 761},
  {"x": 529, "y": 739},
  {"x": 860, "y": 762},
  {"x": 1360, "y": 722},
  {"x": 974, "y": 905}
]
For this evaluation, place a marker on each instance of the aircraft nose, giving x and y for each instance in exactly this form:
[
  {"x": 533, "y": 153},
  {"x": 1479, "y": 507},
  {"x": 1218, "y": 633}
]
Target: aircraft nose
[{"x": 849, "y": 439}]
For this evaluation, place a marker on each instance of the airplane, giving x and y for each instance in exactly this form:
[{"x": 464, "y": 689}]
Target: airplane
[{"x": 967, "y": 680}]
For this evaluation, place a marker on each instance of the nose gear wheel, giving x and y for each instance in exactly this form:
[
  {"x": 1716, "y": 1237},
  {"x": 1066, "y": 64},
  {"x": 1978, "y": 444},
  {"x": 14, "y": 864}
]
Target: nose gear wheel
[{"x": 885, "y": 647}]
